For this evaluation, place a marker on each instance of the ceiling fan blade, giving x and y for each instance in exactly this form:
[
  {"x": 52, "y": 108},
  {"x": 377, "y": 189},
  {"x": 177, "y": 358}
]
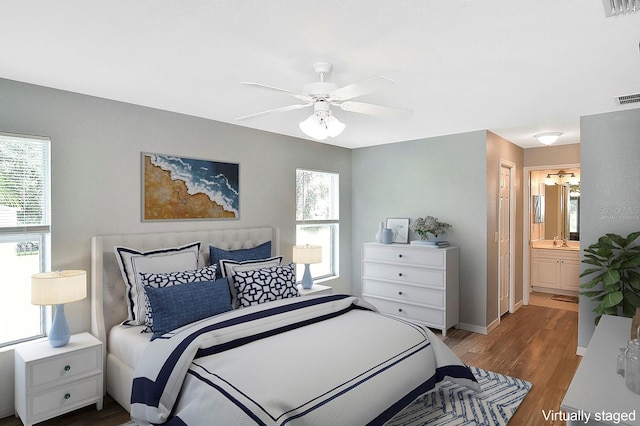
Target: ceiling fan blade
[
  {"x": 281, "y": 109},
  {"x": 277, "y": 89},
  {"x": 377, "y": 110},
  {"x": 354, "y": 90}
]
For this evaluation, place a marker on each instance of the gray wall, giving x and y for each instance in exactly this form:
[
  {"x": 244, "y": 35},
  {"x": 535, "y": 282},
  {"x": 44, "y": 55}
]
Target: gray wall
[
  {"x": 444, "y": 177},
  {"x": 609, "y": 187},
  {"x": 96, "y": 147}
]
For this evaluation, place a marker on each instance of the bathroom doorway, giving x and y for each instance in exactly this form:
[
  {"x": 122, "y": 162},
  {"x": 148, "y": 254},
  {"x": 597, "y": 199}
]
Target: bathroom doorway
[{"x": 551, "y": 239}]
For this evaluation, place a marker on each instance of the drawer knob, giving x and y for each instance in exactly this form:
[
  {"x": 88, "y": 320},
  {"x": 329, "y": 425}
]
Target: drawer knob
[
  {"x": 399, "y": 309},
  {"x": 67, "y": 367},
  {"x": 399, "y": 293},
  {"x": 399, "y": 255},
  {"x": 400, "y": 274},
  {"x": 67, "y": 395}
]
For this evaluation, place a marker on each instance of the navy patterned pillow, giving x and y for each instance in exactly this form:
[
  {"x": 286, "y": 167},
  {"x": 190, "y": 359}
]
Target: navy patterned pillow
[
  {"x": 264, "y": 285},
  {"x": 170, "y": 279},
  {"x": 261, "y": 251},
  {"x": 179, "y": 305}
]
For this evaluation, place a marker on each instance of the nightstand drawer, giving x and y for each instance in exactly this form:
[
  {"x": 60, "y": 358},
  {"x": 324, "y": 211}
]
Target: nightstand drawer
[
  {"x": 64, "y": 398},
  {"x": 403, "y": 293},
  {"x": 65, "y": 366},
  {"x": 401, "y": 273}
]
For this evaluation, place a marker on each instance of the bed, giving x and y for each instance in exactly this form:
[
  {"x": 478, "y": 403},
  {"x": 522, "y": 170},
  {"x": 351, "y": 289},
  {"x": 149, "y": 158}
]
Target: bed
[{"x": 328, "y": 359}]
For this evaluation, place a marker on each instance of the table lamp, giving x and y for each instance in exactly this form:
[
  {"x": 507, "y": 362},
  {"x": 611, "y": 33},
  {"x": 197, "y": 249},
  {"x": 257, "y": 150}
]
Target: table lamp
[
  {"x": 58, "y": 288},
  {"x": 307, "y": 255}
]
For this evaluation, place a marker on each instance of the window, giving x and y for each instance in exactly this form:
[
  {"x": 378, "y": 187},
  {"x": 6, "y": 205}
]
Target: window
[
  {"x": 24, "y": 233},
  {"x": 317, "y": 219}
]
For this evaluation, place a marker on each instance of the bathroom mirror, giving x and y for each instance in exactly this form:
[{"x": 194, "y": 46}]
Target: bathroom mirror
[
  {"x": 562, "y": 212},
  {"x": 538, "y": 209}
]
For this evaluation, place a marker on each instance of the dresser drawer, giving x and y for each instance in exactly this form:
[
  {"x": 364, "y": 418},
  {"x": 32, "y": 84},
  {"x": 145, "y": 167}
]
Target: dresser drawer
[
  {"x": 70, "y": 365},
  {"x": 403, "y": 293},
  {"x": 404, "y": 255},
  {"x": 63, "y": 398},
  {"x": 402, "y": 273},
  {"x": 429, "y": 316}
]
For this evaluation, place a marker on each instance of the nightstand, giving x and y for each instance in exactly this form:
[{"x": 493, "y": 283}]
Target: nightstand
[
  {"x": 52, "y": 381},
  {"x": 315, "y": 290}
]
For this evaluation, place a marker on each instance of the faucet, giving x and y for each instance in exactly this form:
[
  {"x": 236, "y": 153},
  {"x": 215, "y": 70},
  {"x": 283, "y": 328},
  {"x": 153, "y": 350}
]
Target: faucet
[
  {"x": 555, "y": 241},
  {"x": 564, "y": 243}
]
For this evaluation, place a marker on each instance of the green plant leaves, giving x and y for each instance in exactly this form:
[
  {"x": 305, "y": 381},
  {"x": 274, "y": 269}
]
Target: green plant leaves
[{"x": 617, "y": 269}]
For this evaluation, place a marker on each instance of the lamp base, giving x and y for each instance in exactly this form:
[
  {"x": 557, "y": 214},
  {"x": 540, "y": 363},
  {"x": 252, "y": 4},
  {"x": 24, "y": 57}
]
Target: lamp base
[
  {"x": 59, "y": 332},
  {"x": 307, "y": 281}
]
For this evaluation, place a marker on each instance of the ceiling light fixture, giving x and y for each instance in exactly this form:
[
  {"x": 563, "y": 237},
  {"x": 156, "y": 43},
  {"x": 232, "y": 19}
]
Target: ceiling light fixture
[
  {"x": 322, "y": 124},
  {"x": 548, "y": 138}
]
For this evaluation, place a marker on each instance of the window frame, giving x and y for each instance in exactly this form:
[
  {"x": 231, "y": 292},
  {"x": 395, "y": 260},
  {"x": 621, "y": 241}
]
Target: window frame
[
  {"x": 40, "y": 232},
  {"x": 332, "y": 224}
]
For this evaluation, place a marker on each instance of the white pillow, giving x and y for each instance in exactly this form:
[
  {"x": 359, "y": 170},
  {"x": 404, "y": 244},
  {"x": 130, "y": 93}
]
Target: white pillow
[
  {"x": 229, "y": 267},
  {"x": 132, "y": 262}
]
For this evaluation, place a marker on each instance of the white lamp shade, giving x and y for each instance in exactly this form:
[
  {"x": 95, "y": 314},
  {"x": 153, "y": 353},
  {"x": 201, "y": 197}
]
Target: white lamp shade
[
  {"x": 321, "y": 125},
  {"x": 307, "y": 254},
  {"x": 55, "y": 288}
]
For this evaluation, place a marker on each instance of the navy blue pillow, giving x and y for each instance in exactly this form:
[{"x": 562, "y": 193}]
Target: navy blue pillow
[
  {"x": 178, "y": 305},
  {"x": 258, "y": 252}
]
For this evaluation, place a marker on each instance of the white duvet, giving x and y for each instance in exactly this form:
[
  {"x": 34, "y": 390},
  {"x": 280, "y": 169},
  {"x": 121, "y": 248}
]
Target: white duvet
[{"x": 326, "y": 360}]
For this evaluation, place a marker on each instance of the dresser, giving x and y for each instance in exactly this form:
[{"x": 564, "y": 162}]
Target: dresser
[
  {"x": 596, "y": 394},
  {"x": 52, "y": 381},
  {"x": 413, "y": 282}
]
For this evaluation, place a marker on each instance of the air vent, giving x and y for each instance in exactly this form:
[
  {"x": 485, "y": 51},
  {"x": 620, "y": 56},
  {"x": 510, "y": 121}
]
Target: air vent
[
  {"x": 620, "y": 7},
  {"x": 628, "y": 99}
]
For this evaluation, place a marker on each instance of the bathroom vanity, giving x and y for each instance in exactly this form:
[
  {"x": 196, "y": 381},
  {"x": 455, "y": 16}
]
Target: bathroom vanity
[{"x": 554, "y": 268}]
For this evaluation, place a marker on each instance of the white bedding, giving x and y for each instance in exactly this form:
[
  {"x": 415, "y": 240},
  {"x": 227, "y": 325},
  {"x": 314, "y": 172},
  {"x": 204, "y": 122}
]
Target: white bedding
[
  {"x": 305, "y": 361},
  {"x": 127, "y": 343}
]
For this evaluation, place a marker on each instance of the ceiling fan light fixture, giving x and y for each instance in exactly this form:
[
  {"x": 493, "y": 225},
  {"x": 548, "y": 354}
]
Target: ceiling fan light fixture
[{"x": 548, "y": 138}]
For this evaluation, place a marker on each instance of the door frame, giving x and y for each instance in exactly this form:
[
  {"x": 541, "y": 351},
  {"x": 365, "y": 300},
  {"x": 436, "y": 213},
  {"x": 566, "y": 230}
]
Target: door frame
[
  {"x": 512, "y": 232},
  {"x": 526, "y": 231}
]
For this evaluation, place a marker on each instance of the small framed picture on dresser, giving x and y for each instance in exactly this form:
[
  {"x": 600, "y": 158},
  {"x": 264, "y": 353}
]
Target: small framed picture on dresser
[{"x": 399, "y": 229}]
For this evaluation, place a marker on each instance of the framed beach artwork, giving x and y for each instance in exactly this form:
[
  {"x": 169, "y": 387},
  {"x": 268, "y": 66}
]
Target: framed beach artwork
[
  {"x": 180, "y": 188},
  {"x": 399, "y": 229}
]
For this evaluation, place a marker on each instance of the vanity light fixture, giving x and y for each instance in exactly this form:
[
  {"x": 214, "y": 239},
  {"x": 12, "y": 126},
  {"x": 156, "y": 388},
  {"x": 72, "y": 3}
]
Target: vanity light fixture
[
  {"x": 573, "y": 179},
  {"x": 548, "y": 138}
]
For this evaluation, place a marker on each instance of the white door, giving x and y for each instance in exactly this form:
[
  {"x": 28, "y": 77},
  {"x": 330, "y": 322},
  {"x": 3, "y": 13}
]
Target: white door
[{"x": 504, "y": 254}]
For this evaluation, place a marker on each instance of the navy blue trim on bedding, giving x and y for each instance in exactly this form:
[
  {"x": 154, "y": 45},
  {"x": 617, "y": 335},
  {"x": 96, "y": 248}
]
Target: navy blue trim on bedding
[{"x": 149, "y": 392}]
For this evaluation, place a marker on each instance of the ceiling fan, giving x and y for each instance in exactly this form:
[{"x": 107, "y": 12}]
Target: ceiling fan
[{"x": 322, "y": 95}]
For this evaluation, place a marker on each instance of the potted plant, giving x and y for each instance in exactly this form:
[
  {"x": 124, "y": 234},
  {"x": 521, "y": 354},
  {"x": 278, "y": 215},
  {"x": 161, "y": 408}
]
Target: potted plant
[
  {"x": 617, "y": 267},
  {"x": 423, "y": 226}
]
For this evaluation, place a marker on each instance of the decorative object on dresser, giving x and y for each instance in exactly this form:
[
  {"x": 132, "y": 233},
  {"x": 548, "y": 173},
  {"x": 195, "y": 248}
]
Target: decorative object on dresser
[
  {"x": 617, "y": 267},
  {"x": 399, "y": 229},
  {"x": 413, "y": 282},
  {"x": 307, "y": 255},
  {"x": 58, "y": 288},
  {"x": 53, "y": 381},
  {"x": 429, "y": 228}
]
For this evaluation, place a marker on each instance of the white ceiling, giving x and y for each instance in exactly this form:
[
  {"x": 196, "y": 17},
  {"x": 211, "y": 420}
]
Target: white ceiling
[{"x": 515, "y": 67}]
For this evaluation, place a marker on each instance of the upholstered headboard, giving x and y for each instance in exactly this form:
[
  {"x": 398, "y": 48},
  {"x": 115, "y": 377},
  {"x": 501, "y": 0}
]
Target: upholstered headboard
[{"x": 108, "y": 292}]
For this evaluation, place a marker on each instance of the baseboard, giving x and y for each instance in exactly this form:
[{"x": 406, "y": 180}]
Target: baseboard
[
  {"x": 7, "y": 411},
  {"x": 581, "y": 351},
  {"x": 517, "y": 306},
  {"x": 495, "y": 323},
  {"x": 473, "y": 328}
]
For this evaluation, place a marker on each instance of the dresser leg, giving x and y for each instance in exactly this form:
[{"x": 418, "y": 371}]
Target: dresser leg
[{"x": 99, "y": 404}]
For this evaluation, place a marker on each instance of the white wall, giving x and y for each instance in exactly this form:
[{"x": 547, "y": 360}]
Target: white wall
[
  {"x": 96, "y": 147},
  {"x": 609, "y": 188},
  {"x": 444, "y": 177}
]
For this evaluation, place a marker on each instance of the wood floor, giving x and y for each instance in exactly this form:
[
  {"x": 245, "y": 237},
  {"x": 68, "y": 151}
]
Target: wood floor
[{"x": 536, "y": 343}]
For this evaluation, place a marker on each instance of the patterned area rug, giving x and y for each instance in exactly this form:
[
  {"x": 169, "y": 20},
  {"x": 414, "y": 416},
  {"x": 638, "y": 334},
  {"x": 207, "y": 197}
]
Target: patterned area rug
[{"x": 455, "y": 405}]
